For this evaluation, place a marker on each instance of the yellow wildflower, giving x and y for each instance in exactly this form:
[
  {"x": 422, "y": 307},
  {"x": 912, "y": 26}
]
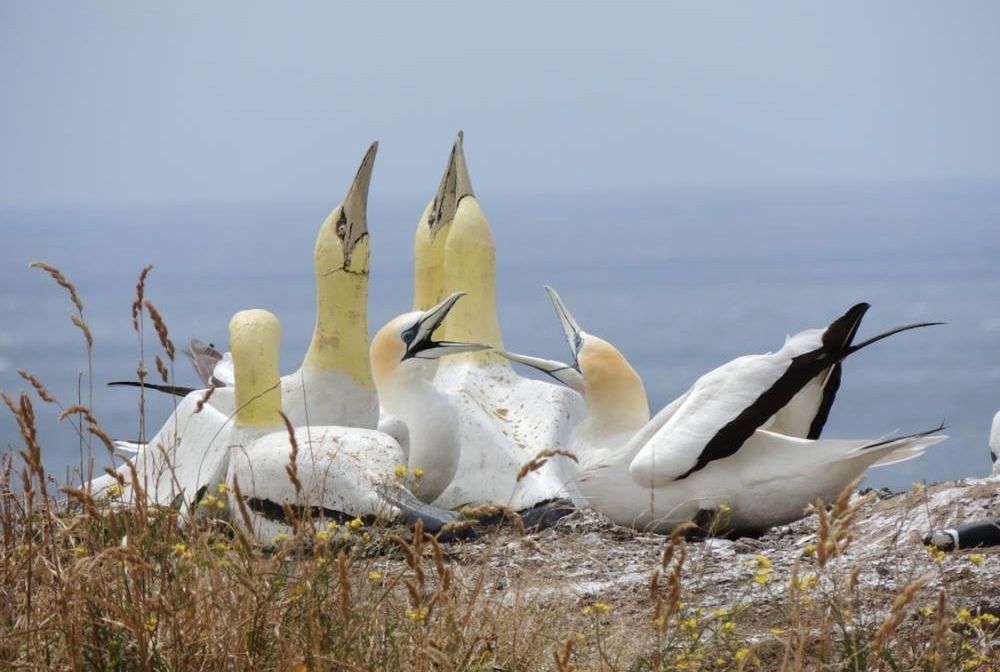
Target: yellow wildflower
[
  {"x": 763, "y": 562},
  {"x": 935, "y": 552},
  {"x": 399, "y": 471},
  {"x": 927, "y": 611},
  {"x": 356, "y": 523},
  {"x": 725, "y": 508},
  {"x": 721, "y": 612},
  {"x": 416, "y": 614},
  {"x": 278, "y": 538},
  {"x": 762, "y": 577},
  {"x": 332, "y": 525},
  {"x": 222, "y": 489},
  {"x": 809, "y": 550},
  {"x": 417, "y": 472},
  {"x": 180, "y": 549},
  {"x": 207, "y": 501},
  {"x": 114, "y": 490},
  {"x": 374, "y": 575},
  {"x": 728, "y": 627},
  {"x": 151, "y": 622},
  {"x": 918, "y": 486},
  {"x": 988, "y": 619},
  {"x": 963, "y": 615},
  {"x": 976, "y": 559},
  {"x": 690, "y": 624},
  {"x": 741, "y": 654},
  {"x": 79, "y": 551},
  {"x": 323, "y": 536},
  {"x": 602, "y": 608},
  {"x": 777, "y": 632}
]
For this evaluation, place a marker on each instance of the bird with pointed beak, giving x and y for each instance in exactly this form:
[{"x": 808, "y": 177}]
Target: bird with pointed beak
[
  {"x": 333, "y": 386},
  {"x": 716, "y": 450},
  {"x": 504, "y": 420}
]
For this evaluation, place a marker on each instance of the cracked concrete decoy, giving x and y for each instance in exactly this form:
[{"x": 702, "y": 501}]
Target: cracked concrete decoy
[
  {"x": 333, "y": 386},
  {"x": 191, "y": 451},
  {"x": 505, "y": 420}
]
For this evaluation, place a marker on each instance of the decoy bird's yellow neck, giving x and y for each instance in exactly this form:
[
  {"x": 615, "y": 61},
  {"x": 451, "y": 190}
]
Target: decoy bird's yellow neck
[
  {"x": 340, "y": 337},
  {"x": 470, "y": 266},
  {"x": 254, "y": 340},
  {"x": 428, "y": 261}
]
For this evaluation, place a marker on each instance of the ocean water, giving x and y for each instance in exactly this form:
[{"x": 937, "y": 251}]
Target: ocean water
[{"x": 680, "y": 280}]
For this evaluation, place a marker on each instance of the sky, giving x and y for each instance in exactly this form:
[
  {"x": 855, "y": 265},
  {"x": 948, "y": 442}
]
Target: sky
[{"x": 118, "y": 102}]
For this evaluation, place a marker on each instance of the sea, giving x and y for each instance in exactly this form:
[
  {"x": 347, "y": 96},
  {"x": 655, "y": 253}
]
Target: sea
[{"x": 681, "y": 280}]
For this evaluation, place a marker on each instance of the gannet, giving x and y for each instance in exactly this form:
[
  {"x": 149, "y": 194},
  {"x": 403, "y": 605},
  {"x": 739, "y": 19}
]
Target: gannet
[
  {"x": 978, "y": 534},
  {"x": 646, "y": 474},
  {"x": 504, "y": 419},
  {"x": 995, "y": 443},
  {"x": 339, "y": 468},
  {"x": 191, "y": 451},
  {"x": 333, "y": 386}
]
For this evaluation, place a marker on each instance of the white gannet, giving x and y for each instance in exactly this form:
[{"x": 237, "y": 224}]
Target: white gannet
[
  {"x": 333, "y": 386},
  {"x": 191, "y": 451},
  {"x": 995, "y": 443},
  {"x": 765, "y": 478},
  {"x": 339, "y": 468},
  {"x": 505, "y": 420}
]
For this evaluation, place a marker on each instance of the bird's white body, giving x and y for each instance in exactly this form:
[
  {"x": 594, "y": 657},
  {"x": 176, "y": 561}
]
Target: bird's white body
[
  {"x": 189, "y": 452},
  {"x": 771, "y": 480},
  {"x": 505, "y": 420},
  {"x": 325, "y": 397},
  {"x": 337, "y": 467}
]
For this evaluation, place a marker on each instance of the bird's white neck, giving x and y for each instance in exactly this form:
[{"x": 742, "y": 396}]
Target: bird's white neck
[{"x": 433, "y": 427}]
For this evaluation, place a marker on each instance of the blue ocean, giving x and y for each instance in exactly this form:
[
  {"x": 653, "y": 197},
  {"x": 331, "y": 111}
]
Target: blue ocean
[{"x": 681, "y": 280}]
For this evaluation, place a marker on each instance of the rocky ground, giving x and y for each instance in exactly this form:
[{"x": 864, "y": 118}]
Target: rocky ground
[{"x": 586, "y": 559}]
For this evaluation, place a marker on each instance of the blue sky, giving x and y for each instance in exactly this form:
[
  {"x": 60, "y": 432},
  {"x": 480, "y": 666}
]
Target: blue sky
[{"x": 125, "y": 102}]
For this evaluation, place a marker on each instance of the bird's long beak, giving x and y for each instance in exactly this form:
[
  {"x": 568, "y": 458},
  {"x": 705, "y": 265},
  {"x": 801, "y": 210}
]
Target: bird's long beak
[
  {"x": 567, "y": 374},
  {"x": 422, "y": 346},
  {"x": 571, "y": 328},
  {"x": 455, "y": 185},
  {"x": 353, "y": 223}
]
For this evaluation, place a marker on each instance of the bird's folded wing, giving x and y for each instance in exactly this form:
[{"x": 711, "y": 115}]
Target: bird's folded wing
[{"x": 715, "y": 417}]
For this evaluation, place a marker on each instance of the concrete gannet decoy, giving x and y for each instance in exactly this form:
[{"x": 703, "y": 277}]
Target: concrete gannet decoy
[
  {"x": 191, "y": 451},
  {"x": 768, "y": 479},
  {"x": 505, "y": 420},
  {"x": 340, "y": 468},
  {"x": 333, "y": 386}
]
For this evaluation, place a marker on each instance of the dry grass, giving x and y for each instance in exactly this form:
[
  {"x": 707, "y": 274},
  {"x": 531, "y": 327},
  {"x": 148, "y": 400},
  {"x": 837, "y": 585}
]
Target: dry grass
[{"x": 88, "y": 584}]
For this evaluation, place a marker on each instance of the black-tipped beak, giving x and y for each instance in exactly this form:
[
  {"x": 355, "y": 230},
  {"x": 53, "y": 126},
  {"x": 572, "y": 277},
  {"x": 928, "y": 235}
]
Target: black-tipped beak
[
  {"x": 353, "y": 223},
  {"x": 418, "y": 339},
  {"x": 455, "y": 185},
  {"x": 571, "y": 328},
  {"x": 567, "y": 374}
]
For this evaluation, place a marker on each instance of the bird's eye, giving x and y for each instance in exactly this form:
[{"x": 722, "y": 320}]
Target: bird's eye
[{"x": 409, "y": 334}]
